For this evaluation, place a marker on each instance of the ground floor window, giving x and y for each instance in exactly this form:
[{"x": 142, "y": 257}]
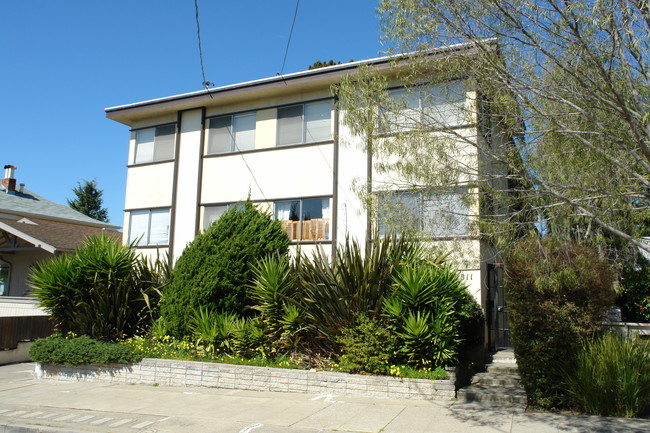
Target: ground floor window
[
  {"x": 212, "y": 213},
  {"x": 306, "y": 219},
  {"x": 5, "y": 269},
  {"x": 424, "y": 212},
  {"x": 149, "y": 227}
]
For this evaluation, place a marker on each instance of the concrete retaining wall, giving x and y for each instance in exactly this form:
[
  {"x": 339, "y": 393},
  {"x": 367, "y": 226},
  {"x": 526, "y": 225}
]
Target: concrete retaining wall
[{"x": 205, "y": 374}]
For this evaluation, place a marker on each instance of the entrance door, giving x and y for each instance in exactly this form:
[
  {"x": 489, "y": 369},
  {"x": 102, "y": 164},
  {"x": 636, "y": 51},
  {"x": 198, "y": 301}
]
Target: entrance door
[{"x": 497, "y": 312}]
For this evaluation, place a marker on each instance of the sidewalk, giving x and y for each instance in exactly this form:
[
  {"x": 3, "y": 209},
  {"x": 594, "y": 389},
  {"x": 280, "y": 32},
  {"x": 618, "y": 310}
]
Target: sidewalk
[{"x": 28, "y": 405}]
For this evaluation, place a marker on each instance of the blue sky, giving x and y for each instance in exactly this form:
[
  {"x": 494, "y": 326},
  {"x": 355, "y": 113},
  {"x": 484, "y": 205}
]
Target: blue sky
[{"x": 63, "y": 62}]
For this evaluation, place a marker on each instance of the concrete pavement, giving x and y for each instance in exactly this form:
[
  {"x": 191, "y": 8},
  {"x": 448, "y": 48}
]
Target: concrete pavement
[{"x": 28, "y": 405}]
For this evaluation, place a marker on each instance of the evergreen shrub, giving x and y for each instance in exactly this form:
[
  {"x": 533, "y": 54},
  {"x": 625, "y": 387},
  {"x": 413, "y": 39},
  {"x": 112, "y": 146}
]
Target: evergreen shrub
[
  {"x": 216, "y": 268},
  {"x": 59, "y": 350},
  {"x": 557, "y": 294}
]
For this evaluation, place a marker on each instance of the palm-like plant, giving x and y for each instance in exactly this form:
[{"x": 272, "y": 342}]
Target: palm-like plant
[
  {"x": 103, "y": 290},
  {"x": 333, "y": 294}
]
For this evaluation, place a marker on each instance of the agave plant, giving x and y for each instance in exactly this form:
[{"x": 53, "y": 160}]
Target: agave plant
[{"x": 103, "y": 290}]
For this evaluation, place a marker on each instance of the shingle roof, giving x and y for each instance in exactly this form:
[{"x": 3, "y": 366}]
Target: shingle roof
[
  {"x": 30, "y": 204},
  {"x": 52, "y": 236}
]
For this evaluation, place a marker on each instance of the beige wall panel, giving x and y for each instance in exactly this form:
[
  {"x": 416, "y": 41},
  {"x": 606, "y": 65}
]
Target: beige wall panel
[
  {"x": 265, "y": 131},
  {"x": 282, "y": 173},
  {"x": 149, "y": 186}
]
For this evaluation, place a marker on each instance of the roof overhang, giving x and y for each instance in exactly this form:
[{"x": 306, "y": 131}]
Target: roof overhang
[
  {"x": 38, "y": 244},
  {"x": 267, "y": 87}
]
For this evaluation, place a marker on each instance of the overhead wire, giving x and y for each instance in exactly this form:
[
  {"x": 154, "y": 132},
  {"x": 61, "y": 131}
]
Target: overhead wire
[
  {"x": 286, "y": 50},
  {"x": 205, "y": 82}
]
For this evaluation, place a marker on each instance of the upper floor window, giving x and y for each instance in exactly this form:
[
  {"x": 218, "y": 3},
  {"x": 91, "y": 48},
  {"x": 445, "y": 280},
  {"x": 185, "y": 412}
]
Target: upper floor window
[
  {"x": 233, "y": 133},
  {"x": 305, "y": 219},
  {"x": 304, "y": 123},
  {"x": 149, "y": 227},
  {"x": 154, "y": 144},
  {"x": 434, "y": 214},
  {"x": 426, "y": 107}
]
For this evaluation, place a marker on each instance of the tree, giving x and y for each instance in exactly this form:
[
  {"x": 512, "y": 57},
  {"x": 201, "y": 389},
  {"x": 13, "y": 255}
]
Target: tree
[
  {"x": 89, "y": 200},
  {"x": 216, "y": 267},
  {"x": 566, "y": 86}
]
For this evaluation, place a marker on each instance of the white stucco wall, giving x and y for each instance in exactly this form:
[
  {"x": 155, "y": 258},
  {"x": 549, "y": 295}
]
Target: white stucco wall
[{"x": 188, "y": 160}]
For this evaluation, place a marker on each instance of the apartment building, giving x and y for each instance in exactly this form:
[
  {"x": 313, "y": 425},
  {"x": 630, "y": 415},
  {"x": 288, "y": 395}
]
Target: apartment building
[{"x": 282, "y": 142}]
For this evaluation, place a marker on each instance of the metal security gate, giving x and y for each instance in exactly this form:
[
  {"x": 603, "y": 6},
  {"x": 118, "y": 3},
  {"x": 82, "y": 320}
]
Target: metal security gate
[{"x": 499, "y": 333}]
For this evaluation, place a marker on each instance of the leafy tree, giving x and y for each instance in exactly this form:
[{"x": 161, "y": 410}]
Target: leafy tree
[
  {"x": 216, "y": 267},
  {"x": 566, "y": 86},
  {"x": 89, "y": 200}
]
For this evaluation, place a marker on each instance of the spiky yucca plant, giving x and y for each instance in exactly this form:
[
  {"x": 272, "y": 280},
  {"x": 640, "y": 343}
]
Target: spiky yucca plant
[{"x": 104, "y": 290}]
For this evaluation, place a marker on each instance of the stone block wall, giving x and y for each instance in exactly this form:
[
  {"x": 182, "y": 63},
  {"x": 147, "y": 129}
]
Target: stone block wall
[{"x": 167, "y": 372}]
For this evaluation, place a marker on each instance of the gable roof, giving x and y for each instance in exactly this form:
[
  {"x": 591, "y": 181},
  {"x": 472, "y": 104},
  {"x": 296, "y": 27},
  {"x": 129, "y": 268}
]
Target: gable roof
[
  {"x": 51, "y": 236},
  {"x": 30, "y": 204}
]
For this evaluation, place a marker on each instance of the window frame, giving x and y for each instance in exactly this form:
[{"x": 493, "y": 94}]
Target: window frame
[
  {"x": 7, "y": 281},
  {"x": 426, "y": 113},
  {"x": 327, "y": 227},
  {"x": 155, "y": 144},
  {"x": 303, "y": 123},
  {"x": 424, "y": 215},
  {"x": 234, "y": 148},
  {"x": 228, "y": 206},
  {"x": 145, "y": 238}
]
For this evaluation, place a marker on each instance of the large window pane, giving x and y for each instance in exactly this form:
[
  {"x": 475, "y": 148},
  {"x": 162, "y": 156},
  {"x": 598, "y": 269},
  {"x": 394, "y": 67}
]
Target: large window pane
[
  {"x": 159, "y": 227},
  {"x": 244, "y": 132},
  {"x": 290, "y": 125},
  {"x": 144, "y": 145},
  {"x": 219, "y": 135},
  {"x": 164, "y": 148},
  {"x": 445, "y": 214},
  {"x": 444, "y": 105},
  {"x": 317, "y": 121},
  {"x": 211, "y": 214},
  {"x": 139, "y": 227}
]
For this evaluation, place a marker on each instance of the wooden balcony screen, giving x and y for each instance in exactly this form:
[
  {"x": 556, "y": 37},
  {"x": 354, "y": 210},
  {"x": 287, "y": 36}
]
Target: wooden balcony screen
[{"x": 317, "y": 229}]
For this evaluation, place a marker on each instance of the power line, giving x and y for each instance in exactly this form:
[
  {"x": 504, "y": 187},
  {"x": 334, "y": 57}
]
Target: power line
[
  {"x": 205, "y": 83},
  {"x": 286, "y": 51}
]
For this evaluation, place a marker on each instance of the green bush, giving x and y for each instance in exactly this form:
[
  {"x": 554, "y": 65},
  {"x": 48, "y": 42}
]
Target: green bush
[
  {"x": 423, "y": 312},
  {"x": 59, "y": 350},
  {"x": 367, "y": 347},
  {"x": 557, "y": 295},
  {"x": 216, "y": 268},
  {"x": 104, "y": 290},
  {"x": 611, "y": 377}
]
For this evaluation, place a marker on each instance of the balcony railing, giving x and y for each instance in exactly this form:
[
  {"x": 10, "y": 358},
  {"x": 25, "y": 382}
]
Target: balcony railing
[{"x": 317, "y": 229}]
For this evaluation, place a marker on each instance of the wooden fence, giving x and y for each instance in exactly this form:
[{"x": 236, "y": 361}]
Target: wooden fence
[{"x": 23, "y": 328}]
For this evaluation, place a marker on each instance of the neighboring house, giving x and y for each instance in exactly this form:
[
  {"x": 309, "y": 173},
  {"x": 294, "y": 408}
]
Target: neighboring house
[
  {"x": 33, "y": 229},
  {"x": 281, "y": 141}
]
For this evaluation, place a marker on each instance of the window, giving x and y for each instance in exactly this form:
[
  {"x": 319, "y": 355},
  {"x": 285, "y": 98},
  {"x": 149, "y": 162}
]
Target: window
[
  {"x": 304, "y": 123},
  {"x": 425, "y": 107},
  {"x": 5, "y": 269},
  {"x": 212, "y": 213},
  {"x": 149, "y": 227},
  {"x": 305, "y": 219},
  {"x": 233, "y": 133},
  {"x": 433, "y": 214},
  {"x": 154, "y": 144}
]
